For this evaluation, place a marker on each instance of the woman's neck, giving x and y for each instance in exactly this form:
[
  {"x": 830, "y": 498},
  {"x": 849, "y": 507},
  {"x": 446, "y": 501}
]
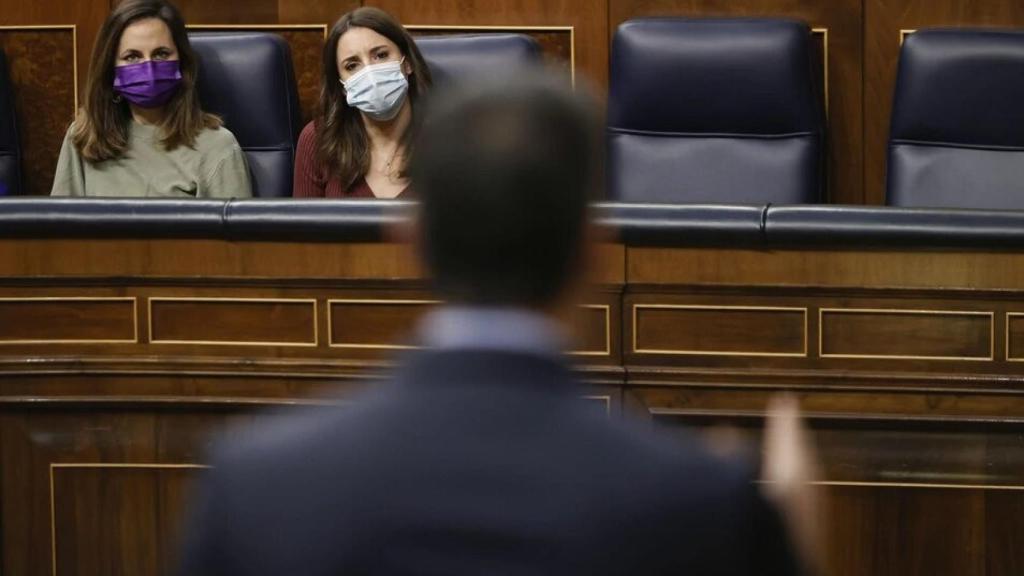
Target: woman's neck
[
  {"x": 389, "y": 134},
  {"x": 147, "y": 116}
]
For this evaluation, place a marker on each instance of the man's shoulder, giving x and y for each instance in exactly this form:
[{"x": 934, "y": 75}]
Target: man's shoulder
[
  {"x": 424, "y": 410},
  {"x": 291, "y": 438},
  {"x": 678, "y": 463}
]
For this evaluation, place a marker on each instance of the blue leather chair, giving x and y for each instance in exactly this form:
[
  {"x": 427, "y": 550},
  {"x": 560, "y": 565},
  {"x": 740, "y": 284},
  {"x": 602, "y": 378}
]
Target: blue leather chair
[
  {"x": 957, "y": 132},
  {"x": 247, "y": 78},
  {"x": 714, "y": 110},
  {"x": 10, "y": 151},
  {"x": 456, "y": 57}
]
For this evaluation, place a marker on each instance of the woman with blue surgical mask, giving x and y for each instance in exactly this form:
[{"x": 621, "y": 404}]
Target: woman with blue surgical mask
[
  {"x": 141, "y": 131},
  {"x": 360, "y": 140}
]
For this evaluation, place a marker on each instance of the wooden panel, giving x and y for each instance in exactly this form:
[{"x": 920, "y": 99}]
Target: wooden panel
[
  {"x": 67, "y": 320},
  {"x": 376, "y": 324},
  {"x": 206, "y": 258},
  {"x": 858, "y": 269},
  {"x": 117, "y": 519},
  {"x": 593, "y": 330},
  {"x": 1015, "y": 336},
  {"x": 588, "y": 18},
  {"x": 267, "y": 11},
  {"x": 1004, "y": 532},
  {"x": 906, "y": 334},
  {"x": 557, "y": 44},
  {"x": 719, "y": 330},
  {"x": 307, "y": 52},
  {"x": 42, "y": 66},
  {"x": 306, "y": 11},
  {"x": 229, "y": 11},
  {"x": 881, "y": 424},
  {"x": 901, "y": 495},
  {"x": 898, "y": 530},
  {"x": 306, "y": 42},
  {"x": 883, "y": 20},
  {"x": 843, "y": 47},
  {"x": 146, "y": 505},
  {"x": 233, "y": 321},
  {"x": 86, "y": 15}
]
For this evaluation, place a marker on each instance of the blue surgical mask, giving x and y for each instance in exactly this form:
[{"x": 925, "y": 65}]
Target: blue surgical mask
[{"x": 378, "y": 90}]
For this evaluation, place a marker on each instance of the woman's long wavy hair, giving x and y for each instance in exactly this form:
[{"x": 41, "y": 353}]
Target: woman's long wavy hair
[
  {"x": 343, "y": 149},
  {"x": 101, "y": 127}
]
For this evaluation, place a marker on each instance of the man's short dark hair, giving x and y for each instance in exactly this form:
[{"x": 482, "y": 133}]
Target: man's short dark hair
[{"x": 504, "y": 172}]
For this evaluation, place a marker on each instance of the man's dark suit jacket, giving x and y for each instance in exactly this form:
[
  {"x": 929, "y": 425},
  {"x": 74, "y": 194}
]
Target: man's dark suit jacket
[{"x": 482, "y": 463}]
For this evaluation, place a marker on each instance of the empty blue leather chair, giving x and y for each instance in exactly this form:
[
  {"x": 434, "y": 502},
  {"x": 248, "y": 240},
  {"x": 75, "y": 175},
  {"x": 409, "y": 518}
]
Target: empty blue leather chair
[
  {"x": 456, "y": 57},
  {"x": 957, "y": 132},
  {"x": 10, "y": 151},
  {"x": 247, "y": 78},
  {"x": 714, "y": 110}
]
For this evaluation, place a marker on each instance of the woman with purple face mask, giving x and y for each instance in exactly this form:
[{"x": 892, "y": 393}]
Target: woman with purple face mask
[{"x": 141, "y": 131}]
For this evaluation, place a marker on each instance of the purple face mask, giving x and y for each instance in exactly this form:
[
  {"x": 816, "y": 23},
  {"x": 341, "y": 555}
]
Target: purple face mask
[{"x": 148, "y": 84}]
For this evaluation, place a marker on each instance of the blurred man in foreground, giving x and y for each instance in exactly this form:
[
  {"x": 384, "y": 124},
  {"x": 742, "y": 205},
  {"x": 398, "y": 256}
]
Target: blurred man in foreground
[{"x": 479, "y": 457}]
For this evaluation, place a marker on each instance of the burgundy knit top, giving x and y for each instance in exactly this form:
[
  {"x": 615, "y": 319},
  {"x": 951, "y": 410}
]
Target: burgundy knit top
[{"x": 310, "y": 180}]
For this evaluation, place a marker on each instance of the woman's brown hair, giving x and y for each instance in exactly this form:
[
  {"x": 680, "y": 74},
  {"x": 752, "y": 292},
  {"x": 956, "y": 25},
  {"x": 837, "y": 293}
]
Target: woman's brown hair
[
  {"x": 342, "y": 148},
  {"x": 100, "y": 131}
]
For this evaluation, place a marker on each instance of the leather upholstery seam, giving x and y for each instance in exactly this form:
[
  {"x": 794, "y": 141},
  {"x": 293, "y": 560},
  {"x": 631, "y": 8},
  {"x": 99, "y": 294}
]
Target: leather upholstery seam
[
  {"x": 763, "y": 224},
  {"x": 225, "y": 218},
  {"x": 614, "y": 130},
  {"x": 928, "y": 144}
]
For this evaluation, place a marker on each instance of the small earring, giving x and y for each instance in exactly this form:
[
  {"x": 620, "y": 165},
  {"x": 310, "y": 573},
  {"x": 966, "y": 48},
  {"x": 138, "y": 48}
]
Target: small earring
[{"x": 118, "y": 99}]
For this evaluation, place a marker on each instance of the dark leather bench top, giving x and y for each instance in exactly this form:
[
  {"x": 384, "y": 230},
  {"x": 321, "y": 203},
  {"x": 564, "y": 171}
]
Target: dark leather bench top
[
  {"x": 754, "y": 226},
  {"x": 285, "y": 219},
  {"x": 880, "y": 226}
]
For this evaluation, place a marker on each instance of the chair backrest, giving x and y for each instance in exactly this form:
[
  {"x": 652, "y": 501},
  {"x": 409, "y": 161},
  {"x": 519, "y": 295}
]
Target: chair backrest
[
  {"x": 247, "y": 78},
  {"x": 10, "y": 151},
  {"x": 956, "y": 137},
  {"x": 457, "y": 57},
  {"x": 714, "y": 110}
]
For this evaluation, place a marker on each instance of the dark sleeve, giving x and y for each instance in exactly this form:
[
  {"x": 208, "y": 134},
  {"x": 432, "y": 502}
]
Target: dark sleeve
[
  {"x": 306, "y": 182},
  {"x": 204, "y": 552},
  {"x": 771, "y": 545}
]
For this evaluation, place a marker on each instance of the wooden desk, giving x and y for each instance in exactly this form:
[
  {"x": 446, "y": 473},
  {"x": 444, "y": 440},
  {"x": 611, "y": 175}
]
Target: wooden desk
[{"x": 118, "y": 358}]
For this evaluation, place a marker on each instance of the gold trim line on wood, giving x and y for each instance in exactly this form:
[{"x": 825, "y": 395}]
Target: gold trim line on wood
[
  {"x": 135, "y": 318},
  {"x": 125, "y": 465},
  {"x": 74, "y": 41},
  {"x": 1006, "y": 343},
  {"x": 607, "y": 332},
  {"x": 823, "y": 30},
  {"x": 906, "y": 32},
  {"x": 870, "y": 484},
  {"x": 466, "y": 28},
  {"x": 74, "y": 51},
  {"x": 553, "y": 28},
  {"x": 861, "y": 417},
  {"x": 53, "y": 525},
  {"x": 259, "y": 27},
  {"x": 53, "y": 507},
  {"x": 313, "y": 301},
  {"x": 372, "y": 302},
  {"x": 897, "y": 311},
  {"x": 801, "y": 309}
]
